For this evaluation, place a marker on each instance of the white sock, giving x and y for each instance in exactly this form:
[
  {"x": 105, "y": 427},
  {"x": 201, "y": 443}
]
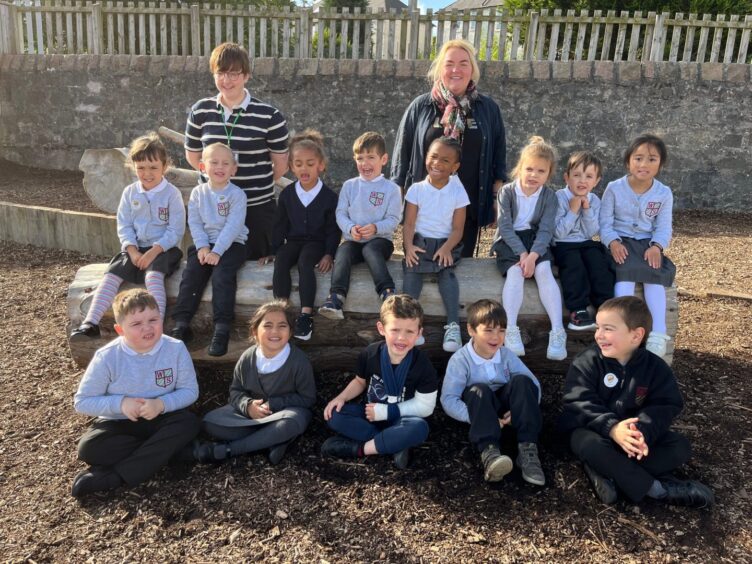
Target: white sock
[
  {"x": 624, "y": 289},
  {"x": 154, "y": 282},
  {"x": 103, "y": 298},
  {"x": 549, "y": 293},
  {"x": 511, "y": 295},
  {"x": 655, "y": 297}
]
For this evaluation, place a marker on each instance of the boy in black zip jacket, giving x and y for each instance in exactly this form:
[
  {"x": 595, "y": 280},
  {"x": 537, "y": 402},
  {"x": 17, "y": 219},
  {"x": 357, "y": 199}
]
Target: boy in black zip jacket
[{"x": 619, "y": 402}]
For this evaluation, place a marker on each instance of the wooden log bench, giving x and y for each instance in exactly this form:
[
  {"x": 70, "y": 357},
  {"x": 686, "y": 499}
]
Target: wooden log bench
[{"x": 336, "y": 344}]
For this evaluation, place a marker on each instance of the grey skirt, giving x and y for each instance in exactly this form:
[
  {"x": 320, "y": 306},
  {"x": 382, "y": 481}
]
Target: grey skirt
[
  {"x": 506, "y": 257},
  {"x": 426, "y": 263},
  {"x": 637, "y": 269}
]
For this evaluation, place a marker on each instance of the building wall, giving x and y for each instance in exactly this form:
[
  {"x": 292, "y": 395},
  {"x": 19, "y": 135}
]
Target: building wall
[{"x": 53, "y": 107}]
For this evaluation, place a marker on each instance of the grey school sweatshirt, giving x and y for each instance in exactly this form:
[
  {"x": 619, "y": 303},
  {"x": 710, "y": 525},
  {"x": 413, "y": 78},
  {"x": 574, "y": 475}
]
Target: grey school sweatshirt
[
  {"x": 362, "y": 202},
  {"x": 217, "y": 217}
]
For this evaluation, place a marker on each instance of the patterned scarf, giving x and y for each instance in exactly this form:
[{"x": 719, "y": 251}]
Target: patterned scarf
[{"x": 455, "y": 110}]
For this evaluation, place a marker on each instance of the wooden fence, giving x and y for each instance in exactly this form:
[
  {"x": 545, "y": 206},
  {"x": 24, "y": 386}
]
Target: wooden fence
[{"x": 169, "y": 28}]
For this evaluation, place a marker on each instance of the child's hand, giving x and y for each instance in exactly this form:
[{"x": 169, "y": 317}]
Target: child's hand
[
  {"x": 505, "y": 419},
  {"x": 618, "y": 251},
  {"x": 631, "y": 441},
  {"x": 443, "y": 256},
  {"x": 212, "y": 258},
  {"x": 643, "y": 446},
  {"x": 201, "y": 254},
  {"x": 266, "y": 260},
  {"x": 527, "y": 264},
  {"x": 258, "y": 409},
  {"x": 355, "y": 232},
  {"x": 334, "y": 405},
  {"x": 325, "y": 264},
  {"x": 371, "y": 411},
  {"x": 585, "y": 202},
  {"x": 148, "y": 257},
  {"x": 151, "y": 408},
  {"x": 575, "y": 204},
  {"x": 368, "y": 231},
  {"x": 411, "y": 255},
  {"x": 653, "y": 256},
  {"x": 131, "y": 407},
  {"x": 134, "y": 254}
]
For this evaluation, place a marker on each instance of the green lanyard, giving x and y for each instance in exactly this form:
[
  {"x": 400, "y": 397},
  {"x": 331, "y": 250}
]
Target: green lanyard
[{"x": 224, "y": 124}]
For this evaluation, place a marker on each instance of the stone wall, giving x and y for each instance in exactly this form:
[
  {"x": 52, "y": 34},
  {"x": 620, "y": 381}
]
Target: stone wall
[{"x": 53, "y": 107}]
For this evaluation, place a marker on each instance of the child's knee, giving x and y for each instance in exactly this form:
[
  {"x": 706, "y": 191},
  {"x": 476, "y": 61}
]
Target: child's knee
[{"x": 477, "y": 391}]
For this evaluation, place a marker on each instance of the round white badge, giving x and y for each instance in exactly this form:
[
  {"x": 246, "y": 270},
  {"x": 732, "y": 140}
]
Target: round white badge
[{"x": 610, "y": 380}]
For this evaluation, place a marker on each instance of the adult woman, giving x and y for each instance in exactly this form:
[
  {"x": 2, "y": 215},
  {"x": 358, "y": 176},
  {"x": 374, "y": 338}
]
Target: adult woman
[
  {"x": 256, "y": 132},
  {"x": 454, "y": 108}
]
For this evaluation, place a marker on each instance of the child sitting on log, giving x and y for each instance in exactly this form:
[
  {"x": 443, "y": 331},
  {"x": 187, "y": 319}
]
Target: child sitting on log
[
  {"x": 137, "y": 387},
  {"x": 150, "y": 226},
  {"x": 216, "y": 218}
]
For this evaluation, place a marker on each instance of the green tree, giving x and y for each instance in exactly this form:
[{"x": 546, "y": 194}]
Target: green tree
[{"x": 739, "y": 7}]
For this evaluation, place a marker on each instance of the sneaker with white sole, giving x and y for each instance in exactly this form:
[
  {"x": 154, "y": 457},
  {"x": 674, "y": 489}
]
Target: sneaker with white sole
[
  {"x": 513, "y": 340},
  {"x": 332, "y": 308},
  {"x": 581, "y": 320},
  {"x": 529, "y": 464},
  {"x": 557, "y": 345},
  {"x": 452, "y": 338},
  {"x": 657, "y": 343},
  {"x": 495, "y": 464}
]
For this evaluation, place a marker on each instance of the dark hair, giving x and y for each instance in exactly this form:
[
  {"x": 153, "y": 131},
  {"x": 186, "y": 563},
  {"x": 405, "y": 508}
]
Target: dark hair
[
  {"x": 274, "y": 306},
  {"x": 633, "y": 311},
  {"x": 451, "y": 143},
  {"x": 148, "y": 147},
  {"x": 401, "y": 306},
  {"x": 584, "y": 159},
  {"x": 370, "y": 141},
  {"x": 647, "y": 139},
  {"x": 228, "y": 57},
  {"x": 486, "y": 312},
  {"x": 310, "y": 139},
  {"x": 131, "y": 301}
]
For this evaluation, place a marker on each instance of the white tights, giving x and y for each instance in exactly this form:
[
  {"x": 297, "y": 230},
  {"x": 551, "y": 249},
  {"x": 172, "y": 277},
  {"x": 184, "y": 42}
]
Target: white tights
[
  {"x": 548, "y": 290},
  {"x": 655, "y": 297}
]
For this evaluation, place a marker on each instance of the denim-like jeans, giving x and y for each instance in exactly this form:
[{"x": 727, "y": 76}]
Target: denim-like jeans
[
  {"x": 406, "y": 432},
  {"x": 374, "y": 253}
]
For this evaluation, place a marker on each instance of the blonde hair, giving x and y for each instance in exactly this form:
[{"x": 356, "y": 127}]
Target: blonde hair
[
  {"x": 148, "y": 147},
  {"x": 209, "y": 149},
  {"x": 310, "y": 139},
  {"x": 434, "y": 73},
  {"x": 536, "y": 148},
  {"x": 274, "y": 306}
]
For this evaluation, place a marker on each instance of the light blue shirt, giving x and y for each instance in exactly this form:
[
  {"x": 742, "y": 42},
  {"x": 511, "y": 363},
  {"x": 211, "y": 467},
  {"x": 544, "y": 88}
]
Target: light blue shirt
[
  {"x": 625, "y": 213},
  {"x": 361, "y": 202},
  {"x": 146, "y": 218},
  {"x": 576, "y": 227},
  {"x": 217, "y": 217}
]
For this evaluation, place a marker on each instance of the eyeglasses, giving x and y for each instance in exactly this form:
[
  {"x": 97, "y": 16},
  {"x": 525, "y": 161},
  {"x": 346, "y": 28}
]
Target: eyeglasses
[{"x": 231, "y": 75}]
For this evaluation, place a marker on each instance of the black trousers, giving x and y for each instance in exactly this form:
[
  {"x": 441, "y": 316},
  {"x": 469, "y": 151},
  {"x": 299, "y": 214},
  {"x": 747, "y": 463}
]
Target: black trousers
[
  {"x": 469, "y": 236},
  {"x": 260, "y": 221},
  {"x": 520, "y": 396},
  {"x": 136, "y": 450},
  {"x": 306, "y": 254},
  {"x": 585, "y": 274},
  {"x": 224, "y": 284},
  {"x": 633, "y": 477}
]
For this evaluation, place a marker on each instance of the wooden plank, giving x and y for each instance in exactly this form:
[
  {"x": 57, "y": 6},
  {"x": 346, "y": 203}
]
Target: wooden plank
[
  {"x": 744, "y": 41},
  {"x": 262, "y": 36},
  {"x": 607, "y": 36},
  {"x": 657, "y": 43},
  {"x": 141, "y": 29},
  {"x": 390, "y": 36},
  {"x": 689, "y": 39},
  {"x": 532, "y": 29},
  {"x": 275, "y": 37},
  {"x": 439, "y": 31},
  {"x": 28, "y": 33},
  {"x": 163, "y": 36},
  {"x": 715, "y": 49},
  {"x": 676, "y": 35},
  {"x": 110, "y": 22},
  {"x": 207, "y": 35},
  {"x": 581, "y": 32},
  {"x": 357, "y": 25},
  {"x": 195, "y": 30},
  {"x": 48, "y": 33},
  {"x": 728, "y": 56},
  {"x": 174, "y": 30},
  {"x": 453, "y": 23},
  {"x": 414, "y": 35},
  {"x": 240, "y": 29},
  {"x": 69, "y": 32},
  {"x": 379, "y": 36},
  {"x": 647, "y": 45},
  {"x": 185, "y": 34},
  {"x": 721, "y": 293},
  {"x": 621, "y": 36},
  {"x": 490, "y": 32},
  {"x": 515, "y": 36},
  {"x": 634, "y": 39},
  {"x": 89, "y": 32},
  {"x": 702, "y": 45},
  {"x": 286, "y": 35},
  {"x": 368, "y": 32},
  {"x": 40, "y": 34},
  {"x": 120, "y": 30},
  {"x": 229, "y": 27},
  {"x": 217, "y": 39},
  {"x": 541, "y": 37},
  {"x": 59, "y": 29},
  {"x": 567, "y": 42},
  {"x": 131, "y": 30},
  {"x": 595, "y": 32},
  {"x": 96, "y": 44}
]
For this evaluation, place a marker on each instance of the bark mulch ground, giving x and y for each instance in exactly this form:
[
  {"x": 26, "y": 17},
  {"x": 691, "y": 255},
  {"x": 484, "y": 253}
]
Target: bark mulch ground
[{"x": 311, "y": 509}]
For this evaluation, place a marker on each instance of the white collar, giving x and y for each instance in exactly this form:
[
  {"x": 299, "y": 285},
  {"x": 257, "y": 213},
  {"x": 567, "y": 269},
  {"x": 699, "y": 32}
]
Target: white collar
[
  {"x": 156, "y": 190},
  {"x": 243, "y": 104},
  {"x": 479, "y": 360},
  {"x": 267, "y": 365},
  {"x": 377, "y": 179},
  {"x": 308, "y": 195},
  {"x": 518, "y": 189},
  {"x": 129, "y": 351}
]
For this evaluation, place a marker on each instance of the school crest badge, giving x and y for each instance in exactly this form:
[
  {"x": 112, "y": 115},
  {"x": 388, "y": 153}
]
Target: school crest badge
[
  {"x": 164, "y": 214},
  {"x": 641, "y": 394},
  {"x": 223, "y": 208},
  {"x": 376, "y": 198},
  {"x": 164, "y": 377},
  {"x": 652, "y": 209}
]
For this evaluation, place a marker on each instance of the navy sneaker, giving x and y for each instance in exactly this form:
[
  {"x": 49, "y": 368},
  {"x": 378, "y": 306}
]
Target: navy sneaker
[
  {"x": 581, "y": 320},
  {"x": 332, "y": 308},
  {"x": 304, "y": 326}
]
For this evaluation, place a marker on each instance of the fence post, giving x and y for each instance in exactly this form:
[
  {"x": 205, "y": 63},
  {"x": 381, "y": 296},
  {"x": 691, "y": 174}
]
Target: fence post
[
  {"x": 413, "y": 36},
  {"x": 8, "y": 33},
  {"x": 97, "y": 29},
  {"x": 656, "y": 48},
  {"x": 195, "y": 31},
  {"x": 530, "y": 36}
]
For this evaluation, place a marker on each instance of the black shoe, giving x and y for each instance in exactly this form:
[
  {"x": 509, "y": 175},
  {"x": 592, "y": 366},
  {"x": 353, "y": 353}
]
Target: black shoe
[
  {"x": 182, "y": 333},
  {"x": 605, "y": 488},
  {"x": 402, "y": 458},
  {"x": 85, "y": 331},
  {"x": 690, "y": 493},
  {"x": 340, "y": 447},
  {"x": 581, "y": 320},
  {"x": 304, "y": 326},
  {"x": 95, "y": 480},
  {"x": 218, "y": 345},
  {"x": 204, "y": 452},
  {"x": 277, "y": 453}
]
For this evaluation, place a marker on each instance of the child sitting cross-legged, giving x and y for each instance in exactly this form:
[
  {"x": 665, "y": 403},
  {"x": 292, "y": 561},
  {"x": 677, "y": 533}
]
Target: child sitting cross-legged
[
  {"x": 619, "y": 402},
  {"x": 488, "y": 386},
  {"x": 400, "y": 388}
]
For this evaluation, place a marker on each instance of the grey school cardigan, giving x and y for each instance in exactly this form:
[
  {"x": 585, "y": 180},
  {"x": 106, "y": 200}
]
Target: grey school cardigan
[{"x": 543, "y": 220}]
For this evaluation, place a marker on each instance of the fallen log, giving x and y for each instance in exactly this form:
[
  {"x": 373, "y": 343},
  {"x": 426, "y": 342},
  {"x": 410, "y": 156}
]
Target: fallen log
[{"x": 336, "y": 344}]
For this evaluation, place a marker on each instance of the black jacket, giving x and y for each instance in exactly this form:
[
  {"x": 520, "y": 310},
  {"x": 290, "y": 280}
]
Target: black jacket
[
  {"x": 317, "y": 222},
  {"x": 645, "y": 388}
]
